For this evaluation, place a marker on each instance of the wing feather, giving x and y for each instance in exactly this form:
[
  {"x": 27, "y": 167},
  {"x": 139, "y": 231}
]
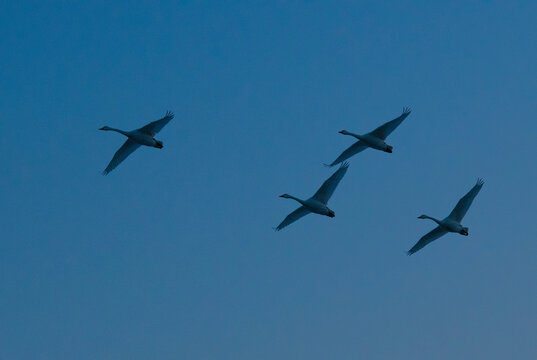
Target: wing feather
[
  {"x": 350, "y": 151},
  {"x": 327, "y": 188},
  {"x": 464, "y": 203},
  {"x": 383, "y": 131},
  {"x": 427, "y": 238},
  {"x": 292, "y": 217},
  {"x": 154, "y": 127},
  {"x": 124, "y": 151}
]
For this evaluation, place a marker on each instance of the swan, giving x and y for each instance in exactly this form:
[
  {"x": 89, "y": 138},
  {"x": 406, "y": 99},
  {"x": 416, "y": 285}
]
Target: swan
[
  {"x": 317, "y": 203},
  {"x": 452, "y": 223},
  {"x": 142, "y": 136},
  {"x": 375, "y": 139}
]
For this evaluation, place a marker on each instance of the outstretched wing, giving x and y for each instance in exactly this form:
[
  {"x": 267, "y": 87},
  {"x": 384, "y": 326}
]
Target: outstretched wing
[
  {"x": 154, "y": 127},
  {"x": 464, "y": 203},
  {"x": 292, "y": 217},
  {"x": 427, "y": 238},
  {"x": 125, "y": 150},
  {"x": 351, "y": 150},
  {"x": 327, "y": 188},
  {"x": 383, "y": 131}
]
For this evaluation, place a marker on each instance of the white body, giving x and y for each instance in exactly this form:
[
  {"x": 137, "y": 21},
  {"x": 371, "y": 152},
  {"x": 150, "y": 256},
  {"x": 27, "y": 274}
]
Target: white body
[
  {"x": 141, "y": 138},
  {"x": 315, "y": 206},
  {"x": 372, "y": 141},
  {"x": 448, "y": 224}
]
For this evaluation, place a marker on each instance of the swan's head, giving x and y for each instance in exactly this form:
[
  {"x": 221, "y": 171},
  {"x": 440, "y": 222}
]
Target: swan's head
[
  {"x": 105, "y": 128},
  {"x": 285, "y": 196},
  {"x": 344, "y": 132},
  {"x": 331, "y": 214},
  {"x": 158, "y": 144},
  {"x": 422, "y": 217},
  {"x": 464, "y": 231},
  {"x": 389, "y": 149}
]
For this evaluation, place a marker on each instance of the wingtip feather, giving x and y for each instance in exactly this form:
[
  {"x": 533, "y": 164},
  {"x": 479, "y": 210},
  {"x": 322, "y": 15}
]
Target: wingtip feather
[{"x": 169, "y": 114}]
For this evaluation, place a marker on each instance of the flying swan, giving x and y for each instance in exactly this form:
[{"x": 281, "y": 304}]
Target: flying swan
[
  {"x": 452, "y": 223},
  {"x": 375, "y": 139},
  {"x": 317, "y": 203},
  {"x": 142, "y": 136}
]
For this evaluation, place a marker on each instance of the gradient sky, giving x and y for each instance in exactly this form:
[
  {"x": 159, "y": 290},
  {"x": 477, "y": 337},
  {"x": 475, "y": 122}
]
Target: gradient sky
[{"x": 173, "y": 256}]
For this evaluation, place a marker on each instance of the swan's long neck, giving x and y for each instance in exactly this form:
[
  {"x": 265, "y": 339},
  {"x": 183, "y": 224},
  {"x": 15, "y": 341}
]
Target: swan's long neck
[
  {"x": 433, "y": 219},
  {"x": 295, "y": 198},
  {"x": 359, "y": 137},
  {"x": 116, "y": 130}
]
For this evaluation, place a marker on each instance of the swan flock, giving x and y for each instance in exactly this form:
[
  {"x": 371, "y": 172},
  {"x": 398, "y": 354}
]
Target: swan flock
[{"x": 318, "y": 203}]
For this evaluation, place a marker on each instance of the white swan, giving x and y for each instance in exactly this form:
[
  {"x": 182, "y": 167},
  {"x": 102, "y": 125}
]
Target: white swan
[
  {"x": 317, "y": 203},
  {"x": 142, "y": 136},
  {"x": 375, "y": 139},
  {"x": 452, "y": 223}
]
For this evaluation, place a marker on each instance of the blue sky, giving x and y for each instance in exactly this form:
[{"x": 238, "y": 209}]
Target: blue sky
[{"x": 173, "y": 254}]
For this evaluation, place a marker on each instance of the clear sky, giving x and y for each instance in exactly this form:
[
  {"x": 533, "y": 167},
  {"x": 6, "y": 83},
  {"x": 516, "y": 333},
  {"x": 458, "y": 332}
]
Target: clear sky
[{"x": 173, "y": 256}]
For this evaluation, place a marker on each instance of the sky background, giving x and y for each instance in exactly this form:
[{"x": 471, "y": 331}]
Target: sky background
[{"x": 173, "y": 256}]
